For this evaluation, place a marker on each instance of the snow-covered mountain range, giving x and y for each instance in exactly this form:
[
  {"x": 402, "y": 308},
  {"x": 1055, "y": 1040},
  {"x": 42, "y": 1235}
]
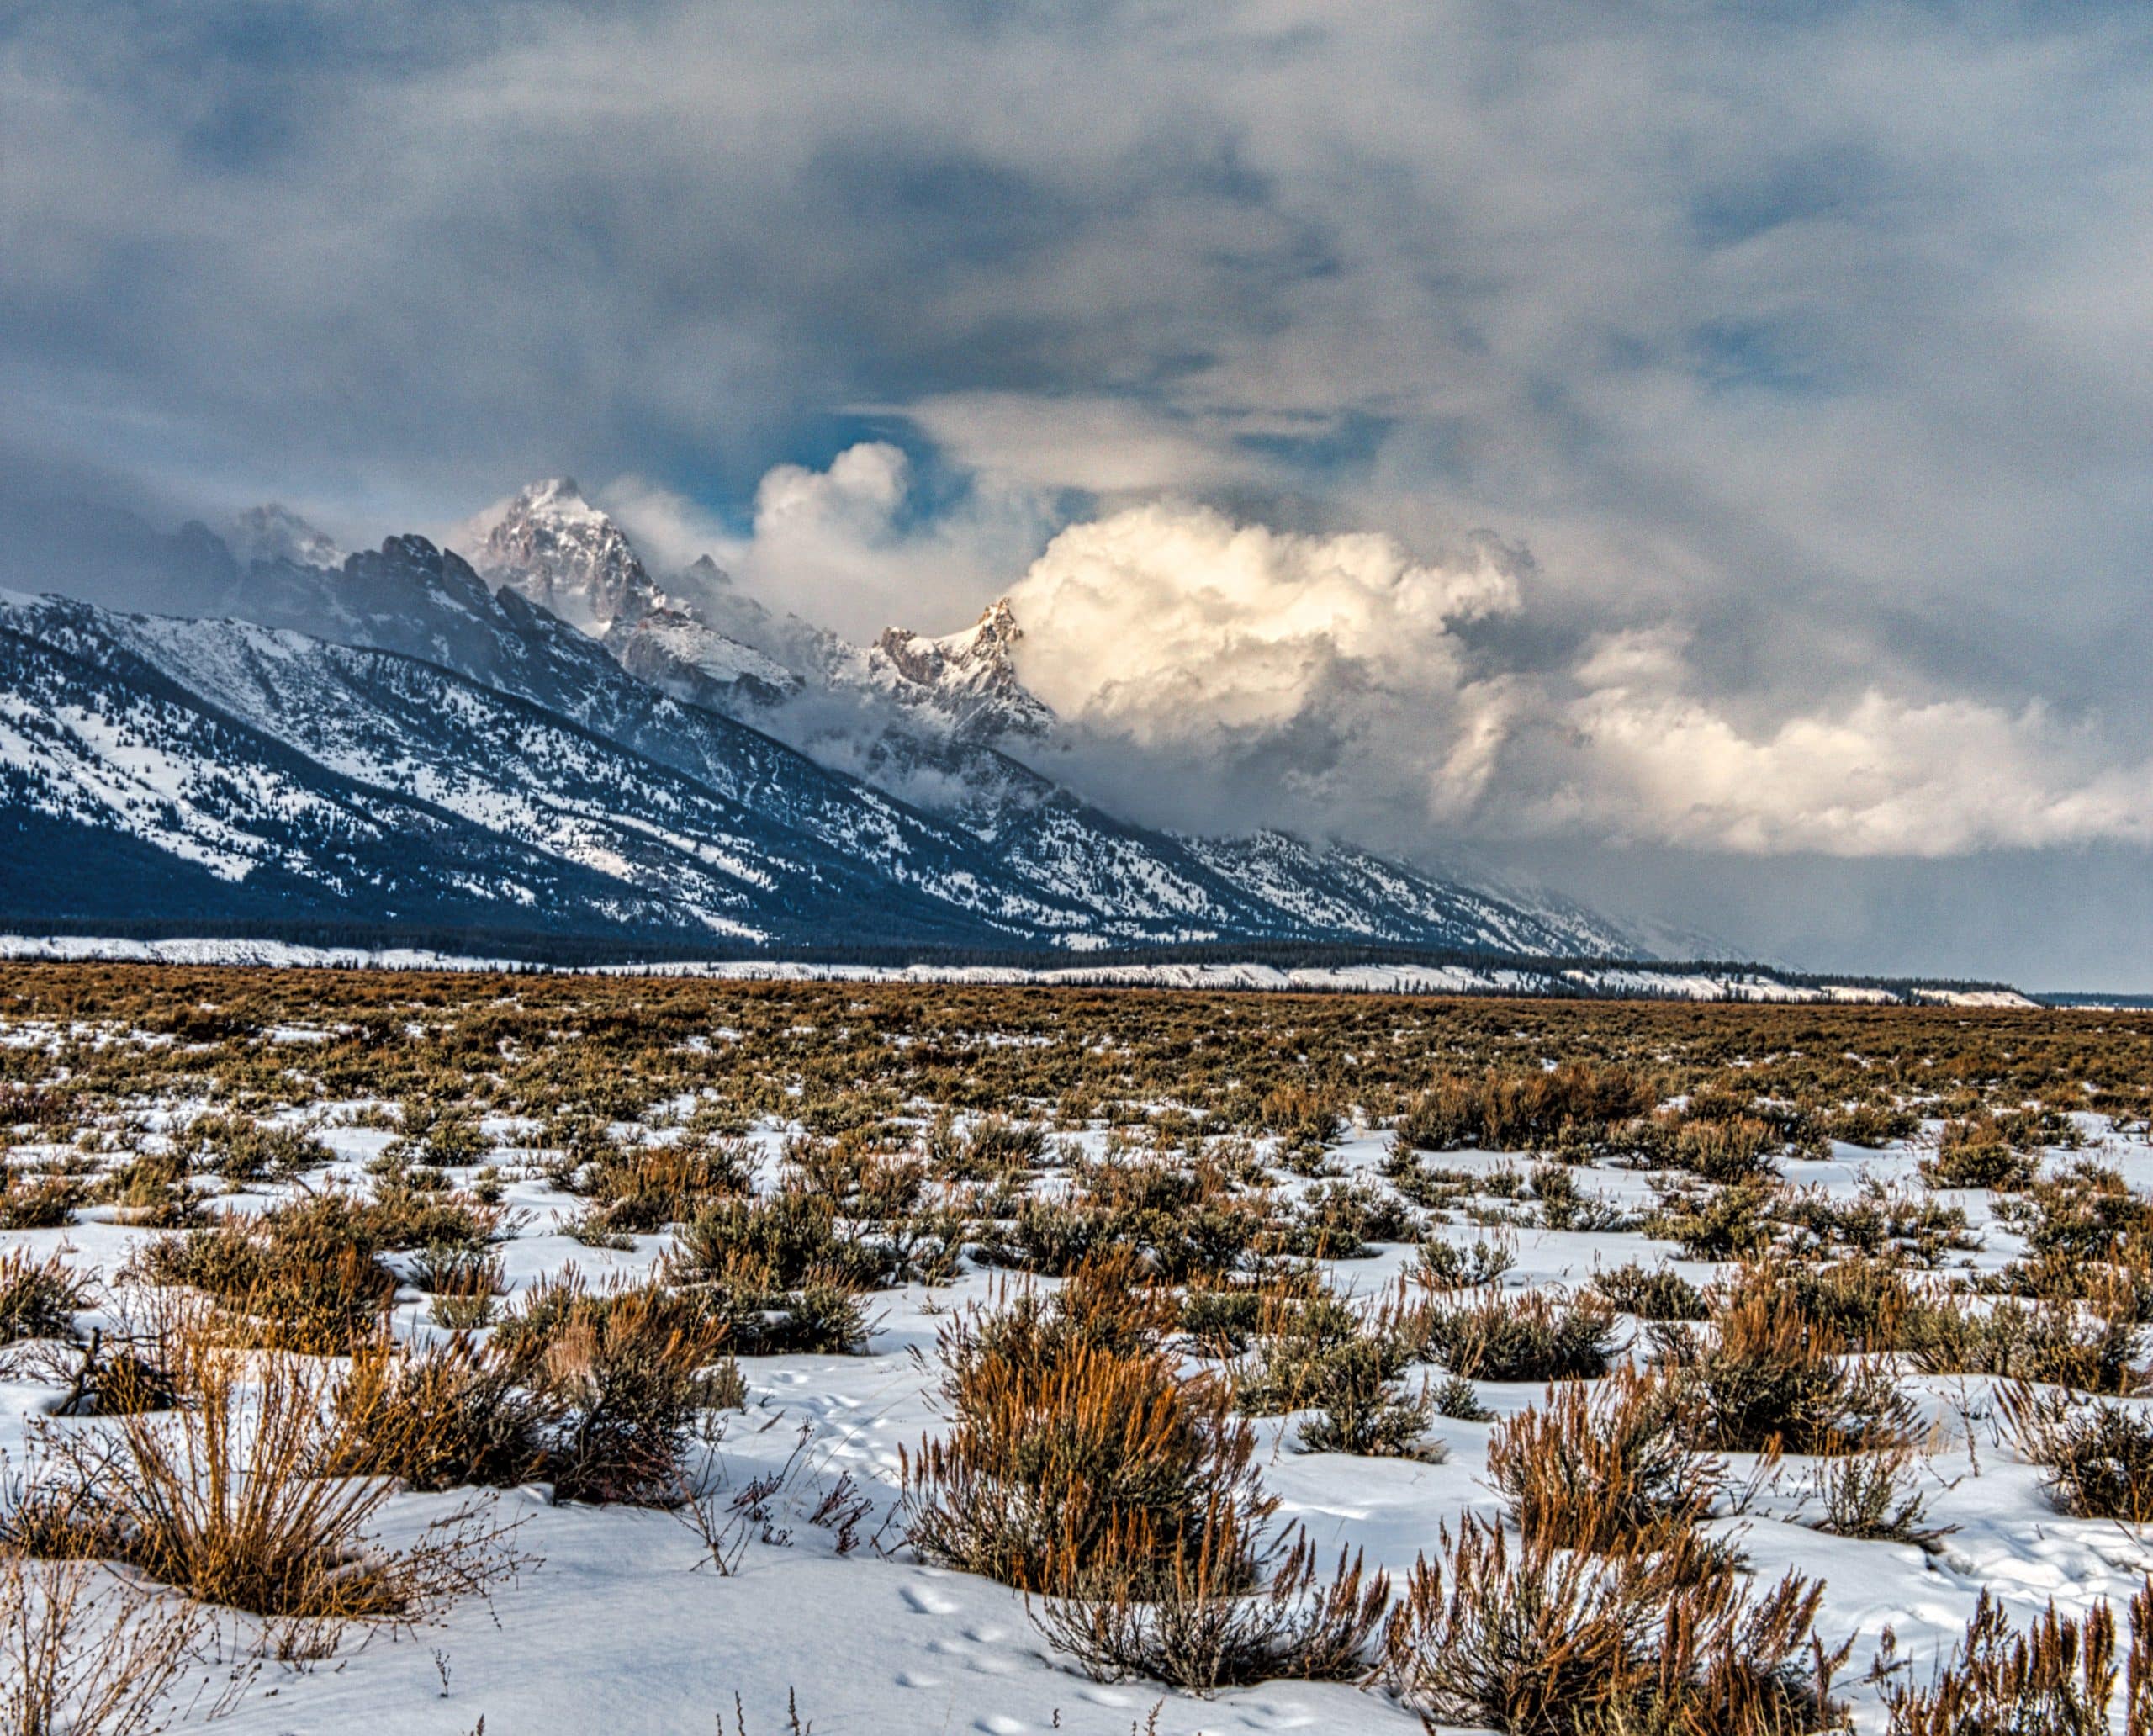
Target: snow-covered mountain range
[{"x": 547, "y": 739}]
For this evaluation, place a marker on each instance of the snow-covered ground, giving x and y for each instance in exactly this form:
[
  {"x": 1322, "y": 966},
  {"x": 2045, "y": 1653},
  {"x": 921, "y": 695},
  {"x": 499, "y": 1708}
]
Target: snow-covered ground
[{"x": 624, "y": 1628}]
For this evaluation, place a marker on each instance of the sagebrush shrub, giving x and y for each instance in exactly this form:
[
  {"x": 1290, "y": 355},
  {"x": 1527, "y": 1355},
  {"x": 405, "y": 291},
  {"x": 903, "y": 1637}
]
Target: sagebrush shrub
[
  {"x": 1873, "y": 1125},
  {"x": 455, "y": 1414},
  {"x": 1293, "y": 1336},
  {"x": 1224, "y": 1318},
  {"x": 1764, "y": 1377},
  {"x": 1719, "y": 1223},
  {"x": 241, "y": 1149},
  {"x": 1533, "y": 1640},
  {"x": 1863, "y": 1300},
  {"x": 2087, "y": 1213},
  {"x": 1733, "y": 1150},
  {"x": 1974, "y": 1154},
  {"x": 1597, "y": 1468},
  {"x": 1577, "y": 1104},
  {"x": 785, "y": 1238},
  {"x": 39, "y": 1299},
  {"x": 642, "y": 1188},
  {"x": 287, "y": 1281},
  {"x": 136, "y": 1362},
  {"x": 1299, "y": 1115},
  {"x": 1362, "y": 1407},
  {"x": 226, "y": 1500},
  {"x": 1197, "y": 1625},
  {"x": 1449, "y": 1266},
  {"x": 150, "y": 1189},
  {"x": 1186, "y": 1221},
  {"x": 307, "y": 1276},
  {"x": 1455, "y": 1396},
  {"x": 45, "y": 1203},
  {"x": 995, "y": 1143},
  {"x": 1881, "y": 1219},
  {"x": 635, "y": 1366},
  {"x": 1068, "y": 1459},
  {"x": 2057, "y": 1678},
  {"x": 1114, "y": 1302},
  {"x": 1535, "y": 1336},
  {"x": 2056, "y": 1343},
  {"x": 777, "y": 1273},
  {"x": 2100, "y": 1456},
  {"x": 84, "y": 1653},
  {"x": 1659, "y": 1293},
  {"x": 1874, "y": 1495}
]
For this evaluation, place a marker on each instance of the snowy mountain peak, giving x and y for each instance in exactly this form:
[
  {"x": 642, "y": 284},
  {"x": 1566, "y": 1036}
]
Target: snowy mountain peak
[
  {"x": 968, "y": 679},
  {"x": 554, "y": 548},
  {"x": 272, "y": 532},
  {"x": 559, "y": 498},
  {"x": 677, "y": 651}
]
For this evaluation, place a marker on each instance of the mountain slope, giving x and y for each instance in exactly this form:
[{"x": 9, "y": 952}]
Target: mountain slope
[
  {"x": 642, "y": 746},
  {"x": 249, "y": 727},
  {"x": 125, "y": 797},
  {"x": 553, "y": 549},
  {"x": 413, "y": 598},
  {"x": 1341, "y": 890},
  {"x": 944, "y": 722}
]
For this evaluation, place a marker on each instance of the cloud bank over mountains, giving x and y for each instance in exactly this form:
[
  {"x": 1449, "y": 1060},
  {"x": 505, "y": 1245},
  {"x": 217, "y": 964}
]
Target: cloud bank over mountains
[
  {"x": 1223, "y": 644},
  {"x": 1337, "y": 681}
]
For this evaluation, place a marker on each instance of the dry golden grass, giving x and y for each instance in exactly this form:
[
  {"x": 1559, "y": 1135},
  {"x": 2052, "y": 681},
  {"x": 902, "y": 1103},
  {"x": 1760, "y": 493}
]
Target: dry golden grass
[
  {"x": 1069, "y": 1459},
  {"x": 2057, "y": 1678},
  {"x": 1594, "y": 1469},
  {"x": 84, "y": 1652},
  {"x": 1533, "y": 1640},
  {"x": 235, "y": 1501}
]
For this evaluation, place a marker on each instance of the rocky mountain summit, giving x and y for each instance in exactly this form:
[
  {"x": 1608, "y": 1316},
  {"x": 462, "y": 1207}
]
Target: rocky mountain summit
[
  {"x": 965, "y": 681},
  {"x": 555, "y": 549}
]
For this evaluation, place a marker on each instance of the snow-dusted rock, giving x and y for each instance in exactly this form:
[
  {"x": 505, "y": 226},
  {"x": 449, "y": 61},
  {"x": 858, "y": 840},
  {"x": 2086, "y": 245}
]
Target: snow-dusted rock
[
  {"x": 552, "y": 547},
  {"x": 966, "y": 682}
]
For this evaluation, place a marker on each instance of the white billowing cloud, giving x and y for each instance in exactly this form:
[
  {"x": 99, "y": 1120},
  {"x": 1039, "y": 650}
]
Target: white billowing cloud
[
  {"x": 853, "y": 500},
  {"x": 1165, "y": 618},
  {"x": 1260, "y": 675},
  {"x": 1263, "y": 676},
  {"x": 1883, "y": 776},
  {"x": 839, "y": 547}
]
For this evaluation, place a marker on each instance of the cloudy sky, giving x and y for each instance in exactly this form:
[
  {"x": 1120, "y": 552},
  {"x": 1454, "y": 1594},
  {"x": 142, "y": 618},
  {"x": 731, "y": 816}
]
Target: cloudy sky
[{"x": 1696, "y": 455}]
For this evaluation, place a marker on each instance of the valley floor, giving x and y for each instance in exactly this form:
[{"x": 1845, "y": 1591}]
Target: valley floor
[{"x": 620, "y": 1622}]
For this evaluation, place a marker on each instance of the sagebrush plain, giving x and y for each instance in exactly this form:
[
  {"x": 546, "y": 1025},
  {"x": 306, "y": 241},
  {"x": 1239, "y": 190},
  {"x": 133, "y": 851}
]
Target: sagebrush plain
[{"x": 570, "y": 1353}]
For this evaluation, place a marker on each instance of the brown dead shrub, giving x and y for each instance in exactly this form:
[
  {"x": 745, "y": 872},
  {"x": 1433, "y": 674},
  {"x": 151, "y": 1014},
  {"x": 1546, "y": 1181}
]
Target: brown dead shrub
[{"x": 1533, "y": 1640}]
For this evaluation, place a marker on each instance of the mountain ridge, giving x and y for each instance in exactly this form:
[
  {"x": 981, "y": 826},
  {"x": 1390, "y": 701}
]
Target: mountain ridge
[{"x": 700, "y": 803}]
